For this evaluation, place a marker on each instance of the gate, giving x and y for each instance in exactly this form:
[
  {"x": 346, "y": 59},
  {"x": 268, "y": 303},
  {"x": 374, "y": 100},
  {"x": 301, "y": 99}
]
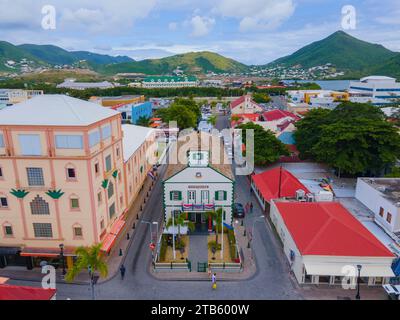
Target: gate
[{"x": 202, "y": 266}]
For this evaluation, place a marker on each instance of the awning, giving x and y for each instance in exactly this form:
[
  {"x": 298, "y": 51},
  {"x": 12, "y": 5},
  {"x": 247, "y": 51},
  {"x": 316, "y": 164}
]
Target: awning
[
  {"x": 9, "y": 251},
  {"x": 340, "y": 269},
  {"x": 9, "y": 292},
  {"x": 108, "y": 242},
  {"x": 117, "y": 227},
  {"x": 46, "y": 252}
]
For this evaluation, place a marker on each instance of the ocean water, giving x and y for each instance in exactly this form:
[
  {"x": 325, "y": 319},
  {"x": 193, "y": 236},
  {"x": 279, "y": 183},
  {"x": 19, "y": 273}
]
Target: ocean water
[{"x": 328, "y": 84}]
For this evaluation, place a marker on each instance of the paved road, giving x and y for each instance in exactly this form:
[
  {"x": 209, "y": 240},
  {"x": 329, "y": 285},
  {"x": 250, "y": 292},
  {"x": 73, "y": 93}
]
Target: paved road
[
  {"x": 279, "y": 102},
  {"x": 271, "y": 281}
]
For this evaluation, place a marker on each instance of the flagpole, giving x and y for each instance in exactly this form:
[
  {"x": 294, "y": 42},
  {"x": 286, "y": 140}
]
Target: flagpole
[
  {"x": 280, "y": 182},
  {"x": 222, "y": 235},
  {"x": 173, "y": 233}
]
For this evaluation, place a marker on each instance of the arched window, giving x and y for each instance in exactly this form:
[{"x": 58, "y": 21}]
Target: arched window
[{"x": 39, "y": 206}]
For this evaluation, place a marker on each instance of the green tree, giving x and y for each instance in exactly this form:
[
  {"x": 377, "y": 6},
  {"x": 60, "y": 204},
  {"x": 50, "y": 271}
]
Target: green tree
[
  {"x": 309, "y": 130},
  {"x": 216, "y": 216},
  {"x": 261, "y": 97},
  {"x": 180, "y": 221},
  {"x": 212, "y": 120},
  {"x": 267, "y": 148},
  {"x": 143, "y": 121},
  {"x": 184, "y": 117},
  {"x": 353, "y": 138},
  {"x": 89, "y": 259}
]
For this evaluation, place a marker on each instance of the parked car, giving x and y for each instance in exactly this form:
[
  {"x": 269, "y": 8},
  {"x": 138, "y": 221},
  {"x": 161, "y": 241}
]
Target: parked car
[{"x": 238, "y": 210}]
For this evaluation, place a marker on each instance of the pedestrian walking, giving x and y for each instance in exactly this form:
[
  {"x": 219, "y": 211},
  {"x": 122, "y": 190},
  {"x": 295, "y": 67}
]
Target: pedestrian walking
[
  {"x": 251, "y": 207},
  {"x": 246, "y": 208},
  {"x": 122, "y": 270},
  {"x": 214, "y": 281}
]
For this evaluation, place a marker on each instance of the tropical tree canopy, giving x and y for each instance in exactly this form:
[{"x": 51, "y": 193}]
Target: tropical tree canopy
[
  {"x": 88, "y": 259},
  {"x": 185, "y": 112},
  {"x": 267, "y": 148},
  {"x": 353, "y": 138}
]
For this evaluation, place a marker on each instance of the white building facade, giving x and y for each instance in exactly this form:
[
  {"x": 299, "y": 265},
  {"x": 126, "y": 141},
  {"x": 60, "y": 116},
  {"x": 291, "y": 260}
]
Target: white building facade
[
  {"x": 197, "y": 189},
  {"x": 378, "y": 87},
  {"x": 380, "y": 196}
]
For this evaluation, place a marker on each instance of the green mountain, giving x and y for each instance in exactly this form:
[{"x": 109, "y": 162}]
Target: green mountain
[
  {"x": 390, "y": 67},
  {"x": 56, "y": 55},
  {"x": 192, "y": 62},
  {"x": 9, "y": 52},
  {"x": 342, "y": 50},
  {"x": 48, "y": 55}
]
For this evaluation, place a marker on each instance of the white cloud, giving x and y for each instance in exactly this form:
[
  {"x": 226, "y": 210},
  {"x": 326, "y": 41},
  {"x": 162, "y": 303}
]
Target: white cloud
[
  {"x": 201, "y": 25},
  {"x": 256, "y": 14},
  {"x": 173, "y": 26}
]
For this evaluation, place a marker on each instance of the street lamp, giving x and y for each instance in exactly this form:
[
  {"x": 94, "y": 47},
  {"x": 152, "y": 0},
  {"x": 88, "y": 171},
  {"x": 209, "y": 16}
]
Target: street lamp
[
  {"x": 151, "y": 235},
  {"x": 358, "y": 281},
  {"x": 62, "y": 258}
]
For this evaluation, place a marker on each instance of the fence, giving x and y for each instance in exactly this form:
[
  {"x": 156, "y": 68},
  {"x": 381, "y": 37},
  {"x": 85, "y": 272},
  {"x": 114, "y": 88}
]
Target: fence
[
  {"x": 226, "y": 267},
  {"x": 172, "y": 266}
]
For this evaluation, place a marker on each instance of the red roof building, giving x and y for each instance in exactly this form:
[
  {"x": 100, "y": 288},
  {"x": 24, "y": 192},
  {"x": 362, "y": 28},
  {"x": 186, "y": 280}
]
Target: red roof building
[
  {"x": 244, "y": 105},
  {"x": 325, "y": 243},
  {"x": 252, "y": 117},
  {"x": 274, "y": 184},
  {"x": 276, "y": 115},
  {"x": 9, "y": 292},
  {"x": 328, "y": 229}
]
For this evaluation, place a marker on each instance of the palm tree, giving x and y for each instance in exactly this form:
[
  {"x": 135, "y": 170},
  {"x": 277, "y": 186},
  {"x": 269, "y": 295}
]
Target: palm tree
[
  {"x": 216, "y": 216},
  {"x": 179, "y": 221},
  {"x": 91, "y": 259}
]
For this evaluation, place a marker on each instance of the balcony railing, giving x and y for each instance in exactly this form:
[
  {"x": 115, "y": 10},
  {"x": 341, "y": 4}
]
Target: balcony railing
[{"x": 198, "y": 207}]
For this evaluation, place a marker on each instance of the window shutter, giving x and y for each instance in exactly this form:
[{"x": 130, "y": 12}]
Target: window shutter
[
  {"x": 170, "y": 195},
  {"x": 225, "y": 195},
  {"x": 179, "y": 195},
  {"x": 216, "y": 195}
]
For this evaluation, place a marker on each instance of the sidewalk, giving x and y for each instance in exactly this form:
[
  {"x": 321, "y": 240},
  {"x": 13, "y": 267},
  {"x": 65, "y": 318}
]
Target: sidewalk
[
  {"x": 248, "y": 271},
  {"x": 114, "y": 260}
]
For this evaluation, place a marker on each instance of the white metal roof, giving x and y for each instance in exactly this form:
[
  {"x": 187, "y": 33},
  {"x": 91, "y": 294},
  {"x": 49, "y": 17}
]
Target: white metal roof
[
  {"x": 54, "y": 110},
  {"x": 134, "y": 136},
  {"x": 376, "y": 78}
]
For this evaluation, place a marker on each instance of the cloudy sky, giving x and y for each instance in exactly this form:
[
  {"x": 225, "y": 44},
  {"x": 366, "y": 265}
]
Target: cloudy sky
[{"x": 251, "y": 31}]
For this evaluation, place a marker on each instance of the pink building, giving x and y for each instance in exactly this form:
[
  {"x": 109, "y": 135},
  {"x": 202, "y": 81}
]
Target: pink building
[{"x": 64, "y": 177}]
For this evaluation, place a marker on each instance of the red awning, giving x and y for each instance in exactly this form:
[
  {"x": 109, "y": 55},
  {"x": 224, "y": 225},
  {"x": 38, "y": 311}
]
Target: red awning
[
  {"x": 117, "y": 227},
  {"x": 46, "y": 252},
  {"x": 108, "y": 242},
  {"x": 8, "y": 292}
]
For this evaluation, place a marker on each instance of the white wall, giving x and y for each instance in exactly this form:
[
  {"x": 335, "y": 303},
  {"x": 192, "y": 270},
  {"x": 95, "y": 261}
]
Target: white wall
[{"x": 374, "y": 200}]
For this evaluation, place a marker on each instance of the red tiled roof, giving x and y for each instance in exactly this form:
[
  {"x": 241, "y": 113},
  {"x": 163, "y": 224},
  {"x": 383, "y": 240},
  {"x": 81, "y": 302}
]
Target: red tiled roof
[
  {"x": 236, "y": 102},
  {"x": 250, "y": 116},
  {"x": 9, "y": 292},
  {"x": 268, "y": 184},
  {"x": 328, "y": 229},
  {"x": 279, "y": 114}
]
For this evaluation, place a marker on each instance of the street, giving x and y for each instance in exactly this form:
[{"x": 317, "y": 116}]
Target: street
[{"x": 271, "y": 281}]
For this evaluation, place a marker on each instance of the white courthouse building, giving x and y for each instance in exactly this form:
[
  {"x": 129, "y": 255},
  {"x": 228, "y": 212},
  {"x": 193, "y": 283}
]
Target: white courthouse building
[{"x": 199, "y": 183}]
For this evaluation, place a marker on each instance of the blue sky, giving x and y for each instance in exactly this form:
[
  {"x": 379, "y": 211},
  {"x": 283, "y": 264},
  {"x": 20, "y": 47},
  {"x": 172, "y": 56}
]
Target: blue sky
[{"x": 251, "y": 31}]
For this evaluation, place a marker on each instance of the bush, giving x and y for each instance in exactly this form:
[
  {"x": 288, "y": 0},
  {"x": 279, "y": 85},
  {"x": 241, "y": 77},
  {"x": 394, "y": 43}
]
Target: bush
[
  {"x": 163, "y": 249},
  {"x": 179, "y": 244}
]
